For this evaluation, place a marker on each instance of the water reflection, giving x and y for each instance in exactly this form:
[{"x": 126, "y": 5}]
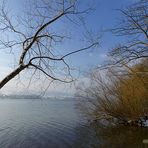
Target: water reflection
[{"x": 120, "y": 136}]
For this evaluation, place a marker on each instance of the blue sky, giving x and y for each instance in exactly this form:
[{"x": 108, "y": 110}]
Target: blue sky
[{"x": 105, "y": 16}]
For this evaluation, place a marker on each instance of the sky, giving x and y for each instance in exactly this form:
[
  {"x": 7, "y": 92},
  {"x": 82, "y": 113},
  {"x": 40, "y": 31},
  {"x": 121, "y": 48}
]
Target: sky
[{"x": 103, "y": 17}]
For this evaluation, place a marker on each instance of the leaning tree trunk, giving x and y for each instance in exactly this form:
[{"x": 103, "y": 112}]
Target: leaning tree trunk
[{"x": 12, "y": 75}]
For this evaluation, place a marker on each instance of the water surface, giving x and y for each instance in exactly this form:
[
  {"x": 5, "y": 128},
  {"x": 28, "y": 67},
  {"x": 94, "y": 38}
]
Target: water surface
[
  {"x": 45, "y": 123},
  {"x": 40, "y": 123}
]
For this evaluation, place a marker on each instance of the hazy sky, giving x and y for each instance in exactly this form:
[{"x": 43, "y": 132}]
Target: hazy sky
[{"x": 105, "y": 16}]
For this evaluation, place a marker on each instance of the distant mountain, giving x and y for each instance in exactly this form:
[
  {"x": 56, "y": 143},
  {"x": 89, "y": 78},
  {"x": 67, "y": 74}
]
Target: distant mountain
[{"x": 2, "y": 96}]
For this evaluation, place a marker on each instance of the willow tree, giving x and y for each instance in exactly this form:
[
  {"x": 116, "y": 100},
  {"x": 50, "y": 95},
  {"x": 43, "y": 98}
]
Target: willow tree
[{"x": 37, "y": 39}]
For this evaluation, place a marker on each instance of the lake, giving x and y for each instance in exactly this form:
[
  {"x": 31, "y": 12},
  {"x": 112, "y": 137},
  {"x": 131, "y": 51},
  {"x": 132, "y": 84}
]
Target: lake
[
  {"x": 45, "y": 123},
  {"x": 39, "y": 123}
]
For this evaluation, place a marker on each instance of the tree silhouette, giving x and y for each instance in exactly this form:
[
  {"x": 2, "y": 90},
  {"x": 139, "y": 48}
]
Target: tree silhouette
[{"x": 33, "y": 36}]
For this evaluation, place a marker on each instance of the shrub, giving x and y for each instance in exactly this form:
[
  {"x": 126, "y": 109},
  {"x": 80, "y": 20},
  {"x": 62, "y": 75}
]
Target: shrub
[{"x": 116, "y": 95}]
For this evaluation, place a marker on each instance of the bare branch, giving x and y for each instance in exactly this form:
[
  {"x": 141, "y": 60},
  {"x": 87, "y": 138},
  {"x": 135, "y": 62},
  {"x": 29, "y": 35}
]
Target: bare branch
[{"x": 35, "y": 40}]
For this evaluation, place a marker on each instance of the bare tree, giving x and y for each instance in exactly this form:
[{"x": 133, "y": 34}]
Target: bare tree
[
  {"x": 134, "y": 26},
  {"x": 35, "y": 37}
]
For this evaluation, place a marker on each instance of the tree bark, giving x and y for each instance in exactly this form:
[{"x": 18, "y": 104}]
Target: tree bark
[{"x": 12, "y": 75}]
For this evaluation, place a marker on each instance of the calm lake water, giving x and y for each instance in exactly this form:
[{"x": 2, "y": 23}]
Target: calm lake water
[{"x": 26, "y": 123}]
